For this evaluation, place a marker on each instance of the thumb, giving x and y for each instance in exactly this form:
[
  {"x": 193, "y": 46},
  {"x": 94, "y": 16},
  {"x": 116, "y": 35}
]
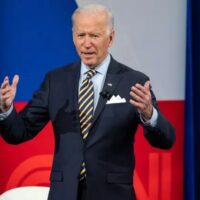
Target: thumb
[
  {"x": 15, "y": 81},
  {"x": 147, "y": 85}
]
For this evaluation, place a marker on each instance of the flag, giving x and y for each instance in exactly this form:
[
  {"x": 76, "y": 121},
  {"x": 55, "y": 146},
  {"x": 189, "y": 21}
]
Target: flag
[{"x": 35, "y": 37}]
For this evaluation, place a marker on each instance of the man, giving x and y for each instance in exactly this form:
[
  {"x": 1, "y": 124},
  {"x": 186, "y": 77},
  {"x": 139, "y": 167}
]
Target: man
[{"x": 95, "y": 106}]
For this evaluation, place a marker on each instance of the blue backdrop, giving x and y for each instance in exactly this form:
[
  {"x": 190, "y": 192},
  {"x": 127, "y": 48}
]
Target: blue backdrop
[
  {"x": 192, "y": 109},
  {"x": 35, "y": 36}
]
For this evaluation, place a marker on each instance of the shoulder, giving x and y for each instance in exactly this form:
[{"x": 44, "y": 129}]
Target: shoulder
[
  {"x": 65, "y": 69},
  {"x": 63, "y": 72},
  {"x": 129, "y": 73}
]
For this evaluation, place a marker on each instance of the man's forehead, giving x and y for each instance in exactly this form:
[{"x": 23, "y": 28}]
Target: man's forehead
[
  {"x": 90, "y": 24},
  {"x": 91, "y": 13},
  {"x": 92, "y": 30}
]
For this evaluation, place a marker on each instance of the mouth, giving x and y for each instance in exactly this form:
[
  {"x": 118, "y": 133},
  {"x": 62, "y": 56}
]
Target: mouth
[{"x": 88, "y": 53}]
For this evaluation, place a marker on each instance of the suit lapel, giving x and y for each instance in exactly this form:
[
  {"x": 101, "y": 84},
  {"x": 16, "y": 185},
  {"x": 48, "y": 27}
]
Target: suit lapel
[
  {"x": 113, "y": 77},
  {"x": 110, "y": 79}
]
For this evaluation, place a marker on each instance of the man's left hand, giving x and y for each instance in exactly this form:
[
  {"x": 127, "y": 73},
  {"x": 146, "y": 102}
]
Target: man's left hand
[{"x": 141, "y": 99}]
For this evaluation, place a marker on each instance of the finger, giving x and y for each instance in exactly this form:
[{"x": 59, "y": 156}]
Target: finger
[
  {"x": 15, "y": 81},
  {"x": 137, "y": 97},
  {"x": 138, "y": 92},
  {"x": 5, "y": 90},
  {"x": 5, "y": 82},
  {"x": 139, "y": 106},
  {"x": 141, "y": 88},
  {"x": 6, "y": 96},
  {"x": 6, "y": 78},
  {"x": 7, "y": 100},
  {"x": 147, "y": 85}
]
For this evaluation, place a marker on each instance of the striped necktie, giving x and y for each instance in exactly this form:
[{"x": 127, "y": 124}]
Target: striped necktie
[{"x": 86, "y": 108}]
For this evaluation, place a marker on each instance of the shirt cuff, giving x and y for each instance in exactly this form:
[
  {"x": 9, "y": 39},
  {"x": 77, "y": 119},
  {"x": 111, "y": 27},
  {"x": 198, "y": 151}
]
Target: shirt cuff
[
  {"x": 151, "y": 122},
  {"x": 4, "y": 115}
]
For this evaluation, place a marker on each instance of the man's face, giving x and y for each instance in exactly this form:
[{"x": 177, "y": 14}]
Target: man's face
[{"x": 91, "y": 37}]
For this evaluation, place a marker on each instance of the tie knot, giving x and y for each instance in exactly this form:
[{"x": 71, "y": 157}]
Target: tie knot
[{"x": 91, "y": 73}]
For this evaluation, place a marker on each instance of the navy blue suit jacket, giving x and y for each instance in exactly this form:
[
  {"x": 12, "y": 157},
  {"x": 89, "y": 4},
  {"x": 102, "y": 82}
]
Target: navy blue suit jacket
[{"x": 107, "y": 151}]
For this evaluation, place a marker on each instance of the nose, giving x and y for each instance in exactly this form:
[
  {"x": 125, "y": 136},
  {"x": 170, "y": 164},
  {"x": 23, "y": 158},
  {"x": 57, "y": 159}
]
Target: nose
[{"x": 87, "y": 42}]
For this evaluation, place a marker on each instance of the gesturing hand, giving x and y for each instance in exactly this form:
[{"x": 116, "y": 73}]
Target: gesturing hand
[
  {"x": 8, "y": 92},
  {"x": 141, "y": 99}
]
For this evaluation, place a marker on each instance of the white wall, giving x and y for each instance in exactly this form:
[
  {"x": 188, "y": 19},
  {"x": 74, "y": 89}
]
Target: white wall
[{"x": 150, "y": 37}]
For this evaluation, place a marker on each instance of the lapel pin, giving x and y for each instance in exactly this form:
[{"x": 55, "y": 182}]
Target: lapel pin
[{"x": 109, "y": 84}]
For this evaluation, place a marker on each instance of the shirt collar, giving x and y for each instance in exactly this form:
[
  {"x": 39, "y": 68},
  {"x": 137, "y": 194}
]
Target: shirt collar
[{"x": 101, "y": 68}]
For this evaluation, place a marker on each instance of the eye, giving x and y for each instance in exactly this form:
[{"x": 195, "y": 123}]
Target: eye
[
  {"x": 94, "y": 36},
  {"x": 80, "y": 35}
]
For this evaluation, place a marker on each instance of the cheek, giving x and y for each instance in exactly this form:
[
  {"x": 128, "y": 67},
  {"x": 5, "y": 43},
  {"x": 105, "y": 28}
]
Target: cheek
[
  {"x": 103, "y": 48},
  {"x": 78, "y": 48},
  {"x": 77, "y": 44}
]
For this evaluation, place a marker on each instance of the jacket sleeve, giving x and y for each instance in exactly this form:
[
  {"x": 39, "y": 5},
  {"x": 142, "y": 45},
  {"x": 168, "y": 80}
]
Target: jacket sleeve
[{"x": 163, "y": 134}]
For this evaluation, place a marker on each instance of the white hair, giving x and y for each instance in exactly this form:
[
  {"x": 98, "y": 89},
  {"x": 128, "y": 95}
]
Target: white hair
[{"x": 95, "y": 8}]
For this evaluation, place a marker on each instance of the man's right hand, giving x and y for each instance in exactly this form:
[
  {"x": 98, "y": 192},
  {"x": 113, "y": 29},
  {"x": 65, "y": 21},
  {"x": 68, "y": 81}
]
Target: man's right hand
[{"x": 8, "y": 92}]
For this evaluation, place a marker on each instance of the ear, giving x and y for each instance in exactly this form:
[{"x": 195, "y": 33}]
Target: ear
[{"x": 112, "y": 35}]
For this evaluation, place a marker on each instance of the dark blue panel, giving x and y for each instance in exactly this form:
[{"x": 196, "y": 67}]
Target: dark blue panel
[
  {"x": 192, "y": 109},
  {"x": 35, "y": 36},
  {"x": 196, "y": 90}
]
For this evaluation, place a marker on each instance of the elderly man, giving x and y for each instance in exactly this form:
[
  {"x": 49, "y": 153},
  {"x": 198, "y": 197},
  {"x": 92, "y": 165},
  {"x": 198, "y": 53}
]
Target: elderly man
[{"x": 95, "y": 106}]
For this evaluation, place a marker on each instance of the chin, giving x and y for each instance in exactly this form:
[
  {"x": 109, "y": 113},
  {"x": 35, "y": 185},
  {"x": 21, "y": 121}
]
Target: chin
[{"x": 89, "y": 63}]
